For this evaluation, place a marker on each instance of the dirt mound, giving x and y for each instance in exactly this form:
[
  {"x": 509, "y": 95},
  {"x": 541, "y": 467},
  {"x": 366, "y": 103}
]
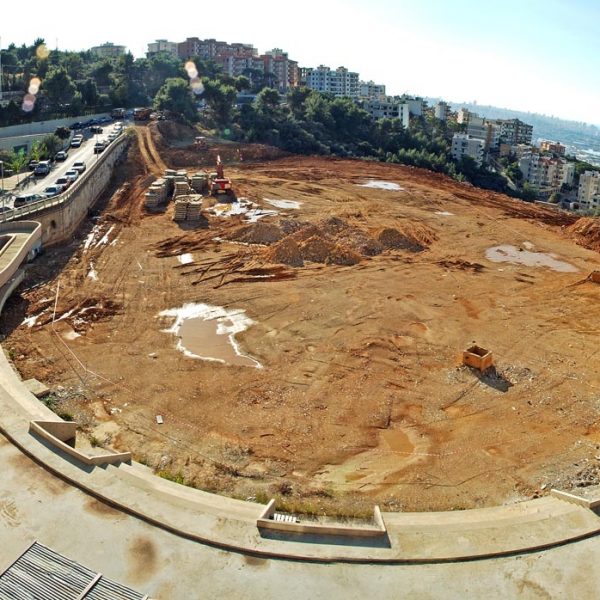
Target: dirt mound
[
  {"x": 172, "y": 133},
  {"x": 258, "y": 233},
  {"x": 317, "y": 249},
  {"x": 286, "y": 252},
  {"x": 414, "y": 238},
  {"x": 586, "y": 232}
]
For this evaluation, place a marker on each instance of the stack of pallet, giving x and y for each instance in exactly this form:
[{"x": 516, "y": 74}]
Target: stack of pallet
[
  {"x": 199, "y": 182},
  {"x": 194, "y": 208},
  {"x": 182, "y": 188},
  {"x": 180, "y": 213},
  {"x": 156, "y": 195},
  {"x": 151, "y": 200},
  {"x": 188, "y": 208}
]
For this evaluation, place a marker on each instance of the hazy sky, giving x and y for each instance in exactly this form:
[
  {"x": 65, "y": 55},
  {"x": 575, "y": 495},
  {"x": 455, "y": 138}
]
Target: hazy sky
[{"x": 534, "y": 55}]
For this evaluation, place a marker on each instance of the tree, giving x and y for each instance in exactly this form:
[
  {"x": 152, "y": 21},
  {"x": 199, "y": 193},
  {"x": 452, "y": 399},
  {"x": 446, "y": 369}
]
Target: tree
[
  {"x": 52, "y": 144},
  {"x": 37, "y": 150},
  {"x": 89, "y": 92},
  {"x": 175, "y": 96},
  {"x": 17, "y": 161},
  {"x": 220, "y": 99},
  {"x": 267, "y": 101},
  {"x": 242, "y": 83},
  {"x": 59, "y": 87},
  {"x": 62, "y": 133}
]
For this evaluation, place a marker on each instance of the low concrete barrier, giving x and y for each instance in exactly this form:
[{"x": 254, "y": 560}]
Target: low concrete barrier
[
  {"x": 266, "y": 521},
  {"x": 58, "y": 433}
]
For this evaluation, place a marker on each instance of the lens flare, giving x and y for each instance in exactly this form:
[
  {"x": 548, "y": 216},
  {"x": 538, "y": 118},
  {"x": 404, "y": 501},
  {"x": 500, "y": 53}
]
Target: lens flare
[
  {"x": 190, "y": 67},
  {"x": 42, "y": 51},
  {"x": 34, "y": 86},
  {"x": 197, "y": 86},
  {"x": 28, "y": 102}
]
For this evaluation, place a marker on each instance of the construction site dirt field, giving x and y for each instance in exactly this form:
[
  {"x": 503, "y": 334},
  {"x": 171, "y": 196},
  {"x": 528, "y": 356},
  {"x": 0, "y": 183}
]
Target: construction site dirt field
[{"x": 349, "y": 306}]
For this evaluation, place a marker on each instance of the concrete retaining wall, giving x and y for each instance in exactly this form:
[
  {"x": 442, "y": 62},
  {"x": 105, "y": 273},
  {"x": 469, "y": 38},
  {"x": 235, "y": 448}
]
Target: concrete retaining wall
[
  {"x": 61, "y": 216},
  {"x": 58, "y": 433},
  {"x": 44, "y": 127}
]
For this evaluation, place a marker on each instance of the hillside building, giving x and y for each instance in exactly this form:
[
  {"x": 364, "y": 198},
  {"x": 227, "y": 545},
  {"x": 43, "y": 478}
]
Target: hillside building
[
  {"x": 108, "y": 50},
  {"x": 371, "y": 91},
  {"x": 465, "y": 145},
  {"x": 340, "y": 83},
  {"x": 442, "y": 111},
  {"x": 588, "y": 193},
  {"x": 162, "y": 46},
  {"x": 388, "y": 108}
]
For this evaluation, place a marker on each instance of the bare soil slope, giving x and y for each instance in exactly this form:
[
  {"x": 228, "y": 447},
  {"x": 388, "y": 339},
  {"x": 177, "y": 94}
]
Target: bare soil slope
[{"x": 362, "y": 301}]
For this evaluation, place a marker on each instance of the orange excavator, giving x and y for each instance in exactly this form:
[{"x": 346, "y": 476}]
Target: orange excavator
[{"x": 219, "y": 184}]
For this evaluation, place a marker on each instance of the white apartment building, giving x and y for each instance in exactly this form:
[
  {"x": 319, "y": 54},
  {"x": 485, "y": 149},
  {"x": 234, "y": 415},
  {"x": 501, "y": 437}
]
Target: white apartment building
[
  {"x": 465, "y": 145},
  {"x": 416, "y": 106},
  {"x": 340, "y": 82},
  {"x": 162, "y": 46},
  {"x": 371, "y": 91},
  {"x": 588, "y": 193},
  {"x": 482, "y": 129},
  {"x": 464, "y": 115},
  {"x": 442, "y": 110},
  {"x": 388, "y": 108},
  {"x": 545, "y": 173}
]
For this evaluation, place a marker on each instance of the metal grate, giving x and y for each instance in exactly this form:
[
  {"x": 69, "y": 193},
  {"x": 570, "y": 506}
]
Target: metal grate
[{"x": 43, "y": 574}]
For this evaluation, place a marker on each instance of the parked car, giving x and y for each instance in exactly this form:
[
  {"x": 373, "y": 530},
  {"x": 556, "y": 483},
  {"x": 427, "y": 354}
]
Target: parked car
[
  {"x": 61, "y": 156},
  {"x": 32, "y": 164},
  {"x": 42, "y": 168},
  {"x": 75, "y": 126},
  {"x": 99, "y": 147},
  {"x": 52, "y": 190},
  {"x": 79, "y": 166},
  {"x": 76, "y": 141},
  {"x": 72, "y": 174},
  {"x": 96, "y": 129},
  {"x": 64, "y": 183},
  {"x": 26, "y": 199}
]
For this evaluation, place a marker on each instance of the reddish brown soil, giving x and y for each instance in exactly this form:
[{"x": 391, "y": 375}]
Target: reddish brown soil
[{"x": 362, "y": 397}]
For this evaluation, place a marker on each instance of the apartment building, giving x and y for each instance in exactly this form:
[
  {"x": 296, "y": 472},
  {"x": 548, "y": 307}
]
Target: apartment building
[
  {"x": 442, "y": 110},
  {"x": 514, "y": 131},
  {"x": 588, "y": 193},
  {"x": 465, "y": 145},
  {"x": 210, "y": 49},
  {"x": 388, "y": 108},
  {"x": 416, "y": 106},
  {"x": 340, "y": 82},
  {"x": 482, "y": 129},
  {"x": 370, "y": 90},
  {"x": 553, "y": 147},
  {"x": 108, "y": 50},
  {"x": 162, "y": 46},
  {"x": 464, "y": 115},
  {"x": 546, "y": 173}
]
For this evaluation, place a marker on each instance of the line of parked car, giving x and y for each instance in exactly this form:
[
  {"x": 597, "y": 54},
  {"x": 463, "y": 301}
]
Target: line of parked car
[
  {"x": 101, "y": 145},
  {"x": 60, "y": 185}
]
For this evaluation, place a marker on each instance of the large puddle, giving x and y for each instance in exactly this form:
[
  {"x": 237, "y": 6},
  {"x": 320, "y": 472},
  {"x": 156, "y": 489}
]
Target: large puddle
[
  {"x": 208, "y": 333},
  {"x": 518, "y": 256},
  {"x": 382, "y": 185}
]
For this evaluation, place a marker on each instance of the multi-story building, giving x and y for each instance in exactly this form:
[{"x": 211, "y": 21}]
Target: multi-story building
[
  {"x": 464, "y": 115},
  {"x": 442, "y": 110},
  {"x": 482, "y": 129},
  {"x": 371, "y": 91},
  {"x": 210, "y": 49},
  {"x": 514, "y": 131},
  {"x": 588, "y": 193},
  {"x": 465, "y": 145},
  {"x": 340, "y": 82},
  {"x": 108, "y": 50},
  {"x": 388, "y": 108},
  {"x": 546, "y": 173},
  {"x": 415, "y": 105},
  {"x": 162, "y": 46},
  {"x": 553, "y": 147}
]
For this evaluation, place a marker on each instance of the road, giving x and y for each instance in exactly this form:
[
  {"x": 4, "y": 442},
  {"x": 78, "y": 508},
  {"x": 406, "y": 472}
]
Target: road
[{"x": 37, "y": 185}]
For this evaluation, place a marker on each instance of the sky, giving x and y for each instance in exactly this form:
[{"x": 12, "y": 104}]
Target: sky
[{"x": 532, "y": 55}]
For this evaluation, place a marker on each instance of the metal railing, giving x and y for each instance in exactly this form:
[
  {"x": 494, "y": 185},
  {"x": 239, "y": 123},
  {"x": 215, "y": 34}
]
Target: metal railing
[{"x": 64, "y": 197}]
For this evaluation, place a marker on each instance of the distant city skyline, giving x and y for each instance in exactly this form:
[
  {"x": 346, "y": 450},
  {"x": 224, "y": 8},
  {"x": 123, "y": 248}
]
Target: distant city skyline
[{"x": 541, "y": 56}]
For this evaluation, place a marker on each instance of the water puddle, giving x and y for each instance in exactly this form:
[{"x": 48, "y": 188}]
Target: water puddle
[
  {"x": 382, "y": 185},
  {"x": 242, "y": 207},
  {"x": 444, "y": 213},
  {"x": 514, "y": 255},
  {"x": 208, "y": 333},
  {"x": 283, "y": 203}
]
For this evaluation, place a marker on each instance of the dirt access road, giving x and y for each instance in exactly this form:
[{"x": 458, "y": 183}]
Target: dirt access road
[{"x": 362, "y": 299}]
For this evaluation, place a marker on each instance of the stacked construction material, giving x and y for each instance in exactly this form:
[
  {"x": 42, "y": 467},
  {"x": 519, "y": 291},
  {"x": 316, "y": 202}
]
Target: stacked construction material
[
  {"x": 199, "y": 182},
  {"x": 180, "y": 213},
  {"x": 194, "y": 208},
  {"x": 188, "y": 208},
  {"x": 156, "y": 195},
  {"x": 182, "y": 188}
]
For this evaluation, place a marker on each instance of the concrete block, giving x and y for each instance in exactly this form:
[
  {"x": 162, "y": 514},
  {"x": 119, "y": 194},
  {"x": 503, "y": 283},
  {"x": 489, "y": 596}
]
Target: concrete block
[{"x": 37, "y": 388}]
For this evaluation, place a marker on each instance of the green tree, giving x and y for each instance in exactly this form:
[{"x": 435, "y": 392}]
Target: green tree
[
  {"x": 38, "y": 150},
  {"x": 220, "y": 99},
  {"x": 17, "y": 162},
  {"x": 59, "y": 87},
  {"x": 267, "y": 101},
  {"x": 52, "y": 144},
  {"x": 62, "y": 133},
  {"x": 175, "y": 96},
  {"x": 242, "y": 83},
  {"x": 89, "y": 92}
]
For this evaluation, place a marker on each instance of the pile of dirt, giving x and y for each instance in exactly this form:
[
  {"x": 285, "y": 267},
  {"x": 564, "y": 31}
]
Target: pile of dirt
[
  {"x": 414, "y": 238},
  {"x": 330, "y": 241},
  {"x": 258, "y": 233},
  {"x": 586, "y": 232},
  {"x": 171, "y": 133}
]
